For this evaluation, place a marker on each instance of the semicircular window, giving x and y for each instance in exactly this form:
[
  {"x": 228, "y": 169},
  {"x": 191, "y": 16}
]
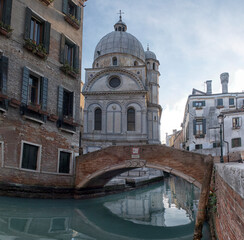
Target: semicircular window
[{"x": 114, "y": 82}]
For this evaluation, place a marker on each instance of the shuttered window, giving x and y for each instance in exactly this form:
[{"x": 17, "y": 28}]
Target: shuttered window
[
  {"x": 3, "y": 74},
  {"x": 231, "y": 101},
  {"x": 37, "y": 30},
  {"x": 29, "y": 156},
  {"x": 220, "y": 102},
  {"x": 236, "y": 142},
  {"x": 5, "y": 12},
  {"x": 64, "y": 162},
  {"x": 69, "y": 53},
  {"x": 65, "y": 102},
  {"x": 199, "y": 127},
  {"x": 71, "y": 9},
  {"x": 34, "y": 89},
  {"x": 198, "y": 104},
  {"x": 131, "y": 124}
]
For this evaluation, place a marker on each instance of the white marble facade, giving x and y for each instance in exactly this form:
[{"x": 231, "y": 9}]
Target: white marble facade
[{"x": 121, "y": 93}]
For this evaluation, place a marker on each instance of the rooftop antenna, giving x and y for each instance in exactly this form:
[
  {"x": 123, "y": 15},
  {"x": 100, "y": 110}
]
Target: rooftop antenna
[{"x": 120, "y": 15}]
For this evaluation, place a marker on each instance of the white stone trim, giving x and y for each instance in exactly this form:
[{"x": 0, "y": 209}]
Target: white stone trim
[
  {"x": 38, "y": 156},
  {"x": 2, "y": 153},
  {"x": 71, "y": 167}
]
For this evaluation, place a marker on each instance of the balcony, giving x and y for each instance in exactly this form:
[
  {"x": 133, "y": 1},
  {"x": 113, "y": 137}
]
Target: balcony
[
  {"x": 33, "y": 113},
  {"x": 67, "y": 125}
]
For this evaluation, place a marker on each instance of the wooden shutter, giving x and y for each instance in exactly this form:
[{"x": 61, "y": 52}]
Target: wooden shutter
[
  {"x": 194, "y": 127},
  {"x": 4, "y": 73},
  {"x": 78, "y": 13},
  {"x": 65, "y": 6},
  {"x": 71, "y": 103},
  {"x": 60, "y": 100},
  {"x": 25, "y": 86},
  {"x": 44, "y": 93},
  {"x": 7, "y": 8},
  {"x": 203, "y": 103},
  {"x": 62, "y": 44},
  {"x": 46, "y": 36},
  {"x": 76, "y": 58},
  {"x": 28, "y": 15},
  {"x": 204, "y": 126}
]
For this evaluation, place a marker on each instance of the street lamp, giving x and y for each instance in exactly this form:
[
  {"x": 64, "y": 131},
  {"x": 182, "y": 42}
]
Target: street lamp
[{"x": 221, "y": 120}]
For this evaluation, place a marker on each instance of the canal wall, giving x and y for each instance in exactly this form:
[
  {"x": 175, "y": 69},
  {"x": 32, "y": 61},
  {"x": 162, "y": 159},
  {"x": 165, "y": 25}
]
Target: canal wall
[{"x": 229, "y": 186}]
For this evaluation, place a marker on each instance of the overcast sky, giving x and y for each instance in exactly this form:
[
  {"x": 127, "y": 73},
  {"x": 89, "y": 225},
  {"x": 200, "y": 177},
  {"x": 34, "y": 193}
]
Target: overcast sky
[{"x": 194, "y": 41}]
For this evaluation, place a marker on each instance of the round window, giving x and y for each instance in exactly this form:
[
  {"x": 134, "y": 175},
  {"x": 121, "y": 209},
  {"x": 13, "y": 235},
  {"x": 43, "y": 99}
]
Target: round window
[{"x": 114, "y": 82}]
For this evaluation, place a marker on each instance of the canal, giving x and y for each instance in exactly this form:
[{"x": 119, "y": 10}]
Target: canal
[{"x": 166, "y": 210}]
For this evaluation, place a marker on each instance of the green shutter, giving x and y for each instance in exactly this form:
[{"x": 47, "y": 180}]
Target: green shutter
[
  {"x": 62, "y": 44},
  {"x": 78, "y": 13},
  {"x": 28, "y": 15},
  {"x": 71, "y": 103},
  {"x": 46, "y": 36},
  {"x": 25, "y": 86},
  {"x": 76, "y": 58},
  {"x": 7, "y": 8},
  {"x": 194, "y": 127},
  {"x": 60, "y": 100},
  {"x": 194, "y": 104},
  {"x": 44, "y": 93},
  {"x": 4, "y": 73},
  {"x": 65, "y": 6},
  {"x": 204, "y": 126},
  {"x": 203, "y": 103}
]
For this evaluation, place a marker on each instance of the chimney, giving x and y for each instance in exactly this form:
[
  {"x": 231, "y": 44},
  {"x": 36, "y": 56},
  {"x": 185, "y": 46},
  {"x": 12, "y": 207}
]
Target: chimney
[
  {"x": 209, "y": 86},
  {"x": 224, "y": 77}
]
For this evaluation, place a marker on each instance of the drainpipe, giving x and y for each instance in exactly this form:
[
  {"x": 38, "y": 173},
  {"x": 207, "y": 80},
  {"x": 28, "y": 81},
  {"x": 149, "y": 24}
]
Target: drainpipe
[{"x": 227, "y": 143}]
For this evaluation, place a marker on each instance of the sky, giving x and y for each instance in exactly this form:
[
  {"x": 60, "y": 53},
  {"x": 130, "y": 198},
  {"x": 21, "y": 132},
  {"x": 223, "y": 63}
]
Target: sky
[{"x": 194, "y": 41}]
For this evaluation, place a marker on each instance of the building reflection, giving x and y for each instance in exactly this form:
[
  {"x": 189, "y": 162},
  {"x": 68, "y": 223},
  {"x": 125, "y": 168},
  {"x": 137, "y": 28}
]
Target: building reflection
[
  {"x": 150, "y": 207},
  {"x": 141, "y": 210}
]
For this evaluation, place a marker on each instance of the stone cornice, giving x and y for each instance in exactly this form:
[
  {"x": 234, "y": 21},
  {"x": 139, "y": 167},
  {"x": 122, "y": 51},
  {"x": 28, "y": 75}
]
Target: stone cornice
[
  {"x": 114, "y": 70},
  {"x": 154, "y": 105},
  {"x": 85, "y": 93}
]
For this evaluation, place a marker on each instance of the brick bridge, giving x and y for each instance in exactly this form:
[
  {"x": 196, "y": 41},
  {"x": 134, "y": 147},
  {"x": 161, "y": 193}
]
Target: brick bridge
[{"x": 95, "y": 169}]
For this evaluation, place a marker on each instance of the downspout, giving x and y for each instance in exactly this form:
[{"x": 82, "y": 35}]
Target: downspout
[{"x": 227, "y": 143}]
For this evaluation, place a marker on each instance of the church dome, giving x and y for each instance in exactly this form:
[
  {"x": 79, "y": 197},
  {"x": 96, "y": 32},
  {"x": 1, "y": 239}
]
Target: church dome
[
  {"x": 119, "y": 41},
  {"x": 150, "y": 55}
]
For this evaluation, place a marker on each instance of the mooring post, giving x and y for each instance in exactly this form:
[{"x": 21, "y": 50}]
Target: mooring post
[{"x": 201, "y": 214}]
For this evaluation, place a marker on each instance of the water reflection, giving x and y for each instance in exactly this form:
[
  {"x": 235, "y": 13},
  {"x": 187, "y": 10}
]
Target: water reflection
[{"x": 163, "y": 211}]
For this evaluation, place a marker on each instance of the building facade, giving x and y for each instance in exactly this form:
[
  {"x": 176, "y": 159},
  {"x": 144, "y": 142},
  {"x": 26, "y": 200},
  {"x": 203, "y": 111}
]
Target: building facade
[
  {"x": 40, "y": 82},
  {"x": 203, "y": 131},
  {"x": 121, "y": 93}
]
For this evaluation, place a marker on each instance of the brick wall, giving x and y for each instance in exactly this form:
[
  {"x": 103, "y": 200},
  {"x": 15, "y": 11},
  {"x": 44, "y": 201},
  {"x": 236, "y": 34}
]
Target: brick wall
[{"x": 230, "y": 210}]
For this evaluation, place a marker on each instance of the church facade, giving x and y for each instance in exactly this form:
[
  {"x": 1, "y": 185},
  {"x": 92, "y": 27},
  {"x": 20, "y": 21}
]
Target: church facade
[{"x": 121, "y": 93}]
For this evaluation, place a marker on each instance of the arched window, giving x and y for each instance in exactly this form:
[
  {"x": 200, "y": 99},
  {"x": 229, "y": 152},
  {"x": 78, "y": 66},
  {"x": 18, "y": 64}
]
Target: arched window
[
  {"x": 131, "y": 123},
  {"x": 120, "y": 29},
  {"x": 135, "y": 63},
  {"x": 153, "y": 66},
  {"x": 115, "y": 62},
  {"x": 98, "y": 119},
  {"x": 123, "y": 29},
  {"x": 148, "y": 65},
  {"x": 97, "y": 65}
]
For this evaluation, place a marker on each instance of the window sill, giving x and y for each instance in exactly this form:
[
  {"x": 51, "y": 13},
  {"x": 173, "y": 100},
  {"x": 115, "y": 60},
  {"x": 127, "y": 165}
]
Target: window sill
[
  {"x": 67, "y": 130},
  {"x": 5, "y": 32},
  {"x": 69, "y": 72},
  {"x": 47, "y": 2},
  {"x": 29, "y": 170},
  {"x": 33, "y": 119},
  {"x": 219, "y": 107},
  {"x": 53, "y": 118},
  {"x": 72, "y": 21},
  {"x": 232, "y": 106},
  {"x": 14, "y": 103},
  {"x": 200, "y": 136},
  {"x": 236, "y": 128},
  {"x": 199, "y": 108},
  {"x": 32, "y": 47},
  {"x": 3, "y": 110}
]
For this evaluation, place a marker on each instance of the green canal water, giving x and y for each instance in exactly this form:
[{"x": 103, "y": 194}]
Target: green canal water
[{"x": 166, "y": 210}]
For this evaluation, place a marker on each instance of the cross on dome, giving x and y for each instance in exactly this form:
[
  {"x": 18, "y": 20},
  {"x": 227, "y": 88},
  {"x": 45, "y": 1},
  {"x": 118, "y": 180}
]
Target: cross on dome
[{"x": 120, "y": 15}]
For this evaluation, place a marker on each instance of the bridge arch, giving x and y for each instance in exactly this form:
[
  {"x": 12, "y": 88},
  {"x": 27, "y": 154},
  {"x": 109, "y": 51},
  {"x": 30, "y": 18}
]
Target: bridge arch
[{"x": 97, "y": 168}]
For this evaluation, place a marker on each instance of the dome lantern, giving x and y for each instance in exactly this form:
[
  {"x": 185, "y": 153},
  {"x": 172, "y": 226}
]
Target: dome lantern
[{"x": 120, "y": 25}]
